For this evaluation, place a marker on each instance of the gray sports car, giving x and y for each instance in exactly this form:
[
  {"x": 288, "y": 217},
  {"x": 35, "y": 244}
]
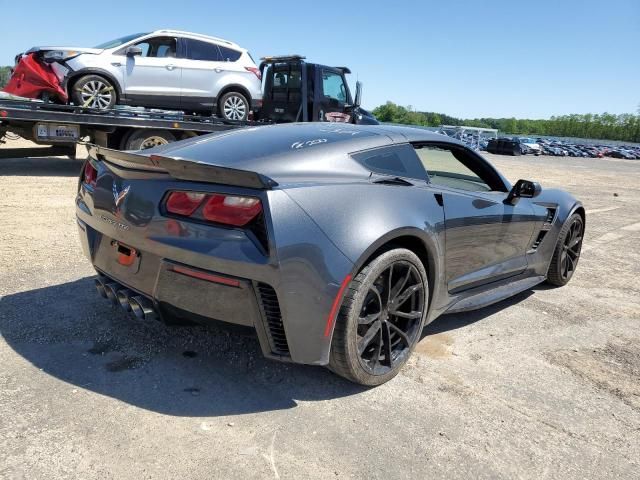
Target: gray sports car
[{"x": 336, "y": 242}]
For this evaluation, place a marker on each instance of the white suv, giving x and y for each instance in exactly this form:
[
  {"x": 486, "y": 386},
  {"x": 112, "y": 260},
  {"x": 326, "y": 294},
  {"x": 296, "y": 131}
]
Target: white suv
[{"x": 162, "y": 69}]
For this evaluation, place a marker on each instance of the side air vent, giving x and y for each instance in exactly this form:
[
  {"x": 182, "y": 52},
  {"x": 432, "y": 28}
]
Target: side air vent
[
  {"x": 539, "y": 239},
  {"x": 546, "y": 226},
  {"x": 551, "y": 215},
  {"x": 273, "y": 319}
]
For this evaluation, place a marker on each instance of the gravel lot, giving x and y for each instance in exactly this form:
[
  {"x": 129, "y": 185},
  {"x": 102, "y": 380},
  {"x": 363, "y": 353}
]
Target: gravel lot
[{"x": 544, "y": 385}]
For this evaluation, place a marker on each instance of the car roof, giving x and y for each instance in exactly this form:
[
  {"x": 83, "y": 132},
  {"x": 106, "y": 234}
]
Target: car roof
[
  {"x": 287, "y": 151},
  {"x": 198, "y": 36},
  {"x": 255, "y": 142}
]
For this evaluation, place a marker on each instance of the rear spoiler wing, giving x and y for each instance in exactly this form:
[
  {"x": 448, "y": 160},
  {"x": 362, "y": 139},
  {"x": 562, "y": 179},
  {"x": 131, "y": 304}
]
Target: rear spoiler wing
[{"x": 182, "y": 169}]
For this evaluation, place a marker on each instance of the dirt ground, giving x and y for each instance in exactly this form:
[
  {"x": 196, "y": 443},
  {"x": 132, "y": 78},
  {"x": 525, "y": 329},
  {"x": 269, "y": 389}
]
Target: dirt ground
[{"x": 545, "y": 385}]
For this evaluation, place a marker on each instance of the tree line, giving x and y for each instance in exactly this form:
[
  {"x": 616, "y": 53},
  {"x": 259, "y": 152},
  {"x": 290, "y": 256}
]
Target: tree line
[
  {"x": 607, "y": 126},
  {"x": 5, "y": 73}
]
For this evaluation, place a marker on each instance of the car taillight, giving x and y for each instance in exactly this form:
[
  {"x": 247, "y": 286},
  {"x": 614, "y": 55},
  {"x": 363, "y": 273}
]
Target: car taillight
[
  {"x": 90, "y": 174},
  {"x": 232, "y": 210},
  {"x": 255, "y": 71},
  {"x": 184, "y": 203}
]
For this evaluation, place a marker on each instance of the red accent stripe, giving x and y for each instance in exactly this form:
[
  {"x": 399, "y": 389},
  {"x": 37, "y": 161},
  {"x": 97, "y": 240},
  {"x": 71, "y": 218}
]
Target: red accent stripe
[
  {"x": 336, "y": 305},
  {"x": 205, "y": 276}
]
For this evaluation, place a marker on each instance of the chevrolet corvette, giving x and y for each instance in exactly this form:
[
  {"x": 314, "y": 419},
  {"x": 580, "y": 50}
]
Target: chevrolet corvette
[{"x": 337, "y": 243}]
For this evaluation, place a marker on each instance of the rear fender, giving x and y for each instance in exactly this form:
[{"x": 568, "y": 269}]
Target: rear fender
[
  {"x": 362, "y": 218},
  {"x": 311, "y": 270}
]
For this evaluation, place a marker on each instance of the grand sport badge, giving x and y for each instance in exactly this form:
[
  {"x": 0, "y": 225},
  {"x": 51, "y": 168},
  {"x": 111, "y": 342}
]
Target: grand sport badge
[{"x": 115, "y": 223}]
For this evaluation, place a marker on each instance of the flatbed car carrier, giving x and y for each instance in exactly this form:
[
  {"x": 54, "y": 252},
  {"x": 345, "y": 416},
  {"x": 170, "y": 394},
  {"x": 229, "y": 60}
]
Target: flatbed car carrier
[{"x": 293, "y": 91}]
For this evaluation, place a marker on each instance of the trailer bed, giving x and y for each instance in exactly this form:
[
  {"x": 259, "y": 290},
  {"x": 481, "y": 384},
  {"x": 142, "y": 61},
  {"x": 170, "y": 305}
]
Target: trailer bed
[{"x": 48, "y": 123}]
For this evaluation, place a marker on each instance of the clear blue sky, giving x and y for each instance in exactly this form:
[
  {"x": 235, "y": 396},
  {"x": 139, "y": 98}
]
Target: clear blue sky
[{"x": 465, "y": 58}]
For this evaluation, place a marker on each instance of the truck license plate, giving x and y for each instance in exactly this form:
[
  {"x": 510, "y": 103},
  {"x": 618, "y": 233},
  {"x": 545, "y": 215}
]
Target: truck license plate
[{"x": 57, "y": 132}]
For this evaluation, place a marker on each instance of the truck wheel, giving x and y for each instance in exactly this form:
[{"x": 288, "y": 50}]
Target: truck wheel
[
  {"x": 381, "y": 318},
  {"x": 233, "y": 106},
  {"x": 93, "y": 91},
  {"x": 143, "y": 139}
]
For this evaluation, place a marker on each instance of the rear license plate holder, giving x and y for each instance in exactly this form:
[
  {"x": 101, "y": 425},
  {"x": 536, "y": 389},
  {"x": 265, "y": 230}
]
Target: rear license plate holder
[{"x": 126, "y": 256}]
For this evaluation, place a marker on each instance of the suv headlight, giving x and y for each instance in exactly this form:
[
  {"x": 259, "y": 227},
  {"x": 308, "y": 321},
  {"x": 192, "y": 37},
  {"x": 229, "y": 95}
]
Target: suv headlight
[{"x": 60, "y": 54}]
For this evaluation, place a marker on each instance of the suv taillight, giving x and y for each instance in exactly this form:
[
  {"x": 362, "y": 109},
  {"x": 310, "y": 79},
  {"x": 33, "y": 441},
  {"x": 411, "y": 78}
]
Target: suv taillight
[
  {"x": 90, "y": 175},
  {"x": 255, "y": 71},
  {"x": 232, "y": 210}
]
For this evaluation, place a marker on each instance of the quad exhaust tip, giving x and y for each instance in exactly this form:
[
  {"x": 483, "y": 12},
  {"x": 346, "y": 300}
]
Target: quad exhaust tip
[
  {"x": 99, "y": 282},
  {"x": 142, "y": 308},
  {"x": 139, "y": 305},
  {"x": 111, "y": 289},
  {"x": 124, "y": 297}
]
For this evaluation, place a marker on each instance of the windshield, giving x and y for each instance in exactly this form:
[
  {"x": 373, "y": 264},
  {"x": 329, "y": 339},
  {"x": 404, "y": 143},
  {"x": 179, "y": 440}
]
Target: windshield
[{"x": 119, "y": 41}]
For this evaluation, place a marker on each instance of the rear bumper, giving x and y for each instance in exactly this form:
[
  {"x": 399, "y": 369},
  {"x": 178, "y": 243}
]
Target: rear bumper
[
  {"x": 193, "y": 293},
  {"x": 286, "y": 294}
]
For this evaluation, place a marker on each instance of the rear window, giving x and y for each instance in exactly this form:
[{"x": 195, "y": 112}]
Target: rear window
[
  {"x": 197, "y": 50},
  {"x": 400, "y": 160},
  {"x": 229, "y": 54}
]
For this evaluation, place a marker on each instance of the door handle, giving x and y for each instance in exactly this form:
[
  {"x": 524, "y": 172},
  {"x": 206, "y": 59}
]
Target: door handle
[
  {"x": 116, "y": 64},
  {"x": 170, "y": 67},
  {"x": 217, "y": 70}
]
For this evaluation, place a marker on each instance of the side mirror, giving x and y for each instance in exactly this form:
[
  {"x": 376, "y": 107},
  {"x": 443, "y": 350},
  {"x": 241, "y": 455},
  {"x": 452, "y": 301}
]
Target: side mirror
[
  {"x": 523, "y": 189},
  {"x": 358, "y": 99},
  {"x": 133, "y": 51}
]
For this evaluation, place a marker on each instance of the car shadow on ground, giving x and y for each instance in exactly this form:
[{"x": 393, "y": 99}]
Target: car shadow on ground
[
  {"x": 38, "y": 166},
  {"x": 71, "y": 333}
]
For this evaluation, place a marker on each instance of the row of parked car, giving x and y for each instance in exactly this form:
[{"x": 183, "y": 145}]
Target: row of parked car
[
  {"x": 566, "y": 149},
  {"x": 543, "y": 146}
]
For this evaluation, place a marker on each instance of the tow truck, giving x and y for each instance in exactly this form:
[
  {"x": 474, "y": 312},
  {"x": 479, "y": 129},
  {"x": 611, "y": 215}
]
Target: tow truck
[{"x": 293, "y": 91}]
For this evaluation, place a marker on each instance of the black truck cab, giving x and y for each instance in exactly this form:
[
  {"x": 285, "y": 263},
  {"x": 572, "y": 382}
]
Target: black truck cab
[{"x": 297, "y": 91}]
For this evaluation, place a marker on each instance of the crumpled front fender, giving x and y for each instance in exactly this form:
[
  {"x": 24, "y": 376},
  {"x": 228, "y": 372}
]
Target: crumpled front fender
[{"x": 31, "y": 78}]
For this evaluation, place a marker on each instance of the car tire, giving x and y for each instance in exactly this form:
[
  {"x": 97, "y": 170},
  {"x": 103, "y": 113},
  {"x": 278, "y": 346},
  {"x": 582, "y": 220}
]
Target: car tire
[
  {"x": 94, "y": 91},
  {"x": 369, "y": 349},
  {"x": 234, "y": 106},
  {"x": 143, "y": 139},
  {"x": 567, "y": 252}
]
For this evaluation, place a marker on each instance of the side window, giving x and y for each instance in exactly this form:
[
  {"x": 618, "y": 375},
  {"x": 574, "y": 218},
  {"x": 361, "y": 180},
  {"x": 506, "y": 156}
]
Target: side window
[
  {"x": 197, "y": 50},
  {"x": 447, "y": 168},
  {"x": 144, "y": 46},
  {"x": 229, "y": 54},
  {"x": 158, "y": 47},
  {"x": 333, "y": 86},
  {"x": 399, "y": 160}
]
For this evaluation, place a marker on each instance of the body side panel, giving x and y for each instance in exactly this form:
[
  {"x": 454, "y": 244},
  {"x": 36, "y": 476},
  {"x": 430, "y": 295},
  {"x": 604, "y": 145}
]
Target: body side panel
[{"x": 359, "y": 218}]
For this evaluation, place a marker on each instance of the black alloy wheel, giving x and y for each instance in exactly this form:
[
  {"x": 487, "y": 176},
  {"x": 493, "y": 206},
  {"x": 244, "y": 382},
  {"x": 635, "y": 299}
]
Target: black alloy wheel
[
  {"x": 567, "y": 253},
  {"x": 381, "y": 318},
  {"x": 389, "y": 318}
]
